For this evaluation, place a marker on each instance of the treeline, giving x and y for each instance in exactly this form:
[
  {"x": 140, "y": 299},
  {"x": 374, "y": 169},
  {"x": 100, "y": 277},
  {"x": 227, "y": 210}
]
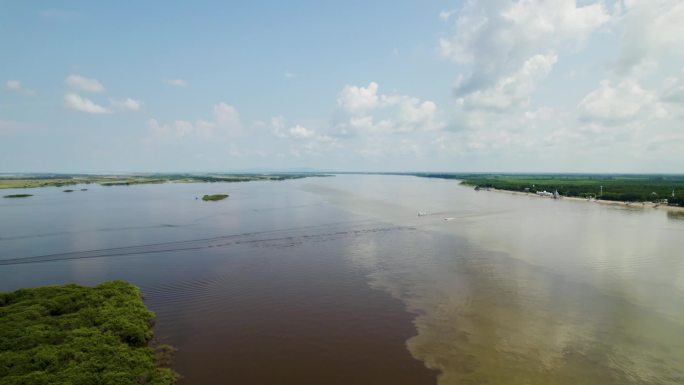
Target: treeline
[
  {"x": 31, "y": 181},
  {"x": 626, "y": 188}
]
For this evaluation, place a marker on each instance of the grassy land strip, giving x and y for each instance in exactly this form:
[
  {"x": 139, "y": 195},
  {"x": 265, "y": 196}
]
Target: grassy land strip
[
  {"x": 72, "y": 334},
  {"x": 34, "y": 181}
]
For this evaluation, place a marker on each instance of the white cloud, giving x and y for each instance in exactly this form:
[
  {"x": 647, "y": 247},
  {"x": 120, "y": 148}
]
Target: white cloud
[
  {"x": 290, "y": 75},
  {"x": 175, "y": 82},
  {"x": 298, "y": 132},
  {"x": 16, "y": 86},
  {"x": 278, "y": 126},
  {"x": 357, "y": 99},
  {"x": 652, "y": 29},
  {"x": 445, "y": 15},
  {"x": 614, "y": 103},
  {"x": 416, "y": 115},
  {"x": 624, "y": 101},
  {"x": 497, "y": 36},
  {"x": 127, "y": 104},
  {"x": 673, "y": 91},
  {"x": 78, "y": 103},
  {"x": 513, "y": 90},
  {"x": 13, "y": 85},
  {"x": 505, "y": 50},
  {"x": 301, "y": 132},
  {"x": 225, "y": 122},
  {"x": 84, "y": 84},
  {"x": 226, "y": 116},
  {"x": 367, "y": 111},
  {"x": 618, "y": 117}
]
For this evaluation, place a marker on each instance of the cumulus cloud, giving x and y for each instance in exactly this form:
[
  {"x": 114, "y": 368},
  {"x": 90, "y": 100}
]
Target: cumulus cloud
[
  {"x": 673, "y": 91},
  {"x": 512, "y": 90},
  {"x": 16, "y": 86},
  {"x": 626, "y": 113},
  {"x": 445, "y": 15},
  {"x": 367, "y": 111},
  {"x": 417, "y": 115},
  {"x": 297, "y": 132},
  {"x": 505, "y": 50},
  {"x": 175, "y": 82},
  {"x": 126, "y": 104},
  {"x": 651, "y": 29},
  {"x": 496, "y": 36},
  {"x": 224, "y": 122},
  {"x": 84, "y": 84},
  {"x": 78, "y": 103},
  {"x": 358, "y": 99},
  {"x": 301, "y": 132},
  {"x": 628, "y": 101},
  {"x": 13, "y": 85},
  {"x": 618, "y": 116},
  {"x": 650, "y": 35},
  {"x": 227, "y": 116},
  {"x": 620, "y": 102}
]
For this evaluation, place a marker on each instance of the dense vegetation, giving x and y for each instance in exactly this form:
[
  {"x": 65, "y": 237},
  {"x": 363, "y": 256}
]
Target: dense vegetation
[
  {"x": 59, "y": 180},
  {"x": 631, "y": 188},
  {"x": 78, "y": 335},
  {"x": 18, "y": 196},
  {"x": 214, "y": 197},
  {"x": 132, "y": 181}
]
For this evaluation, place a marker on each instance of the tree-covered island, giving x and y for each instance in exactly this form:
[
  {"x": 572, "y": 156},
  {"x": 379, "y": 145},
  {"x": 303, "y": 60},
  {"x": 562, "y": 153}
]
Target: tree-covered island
[{"x": 78, "y": 335}]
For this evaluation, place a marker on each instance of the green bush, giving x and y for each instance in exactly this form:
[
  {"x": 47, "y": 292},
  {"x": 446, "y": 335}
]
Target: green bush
[
  {"x": 72, "y": 334},
  {"x": 215, "y": 197}
]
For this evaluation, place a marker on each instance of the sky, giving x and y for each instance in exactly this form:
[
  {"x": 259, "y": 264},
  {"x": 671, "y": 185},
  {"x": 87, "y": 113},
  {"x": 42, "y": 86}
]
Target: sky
[{"x": 424, "y": 85}]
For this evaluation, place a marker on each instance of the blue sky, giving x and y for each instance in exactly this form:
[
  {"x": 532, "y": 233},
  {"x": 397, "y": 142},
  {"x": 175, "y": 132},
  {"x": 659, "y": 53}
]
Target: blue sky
[{"x": 497, "y": 85}]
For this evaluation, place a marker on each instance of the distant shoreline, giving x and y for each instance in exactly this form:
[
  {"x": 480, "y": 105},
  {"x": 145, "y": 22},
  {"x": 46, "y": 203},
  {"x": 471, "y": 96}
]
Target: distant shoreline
[
  {"x": 61, "y": 180},
  {"x": 640, "y": 205},
  {"x": 646, "y": 191}
]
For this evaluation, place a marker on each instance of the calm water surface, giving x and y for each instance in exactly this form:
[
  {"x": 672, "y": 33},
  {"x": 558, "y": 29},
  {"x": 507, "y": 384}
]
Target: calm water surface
[{"x": 338, "y": 281}]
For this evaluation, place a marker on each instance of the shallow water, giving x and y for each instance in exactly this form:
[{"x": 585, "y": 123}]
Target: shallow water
[{"x": 317, "y": 280}]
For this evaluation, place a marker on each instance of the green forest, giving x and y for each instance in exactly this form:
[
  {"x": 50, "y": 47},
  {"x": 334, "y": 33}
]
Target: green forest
[
  {"x": 79, "y": 335},
  {"x": 626, "y": 188}
]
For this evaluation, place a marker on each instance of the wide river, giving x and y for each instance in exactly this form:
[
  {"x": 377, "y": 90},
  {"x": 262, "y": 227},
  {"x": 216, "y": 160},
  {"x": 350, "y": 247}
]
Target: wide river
[{"x": 337, "y": 280}]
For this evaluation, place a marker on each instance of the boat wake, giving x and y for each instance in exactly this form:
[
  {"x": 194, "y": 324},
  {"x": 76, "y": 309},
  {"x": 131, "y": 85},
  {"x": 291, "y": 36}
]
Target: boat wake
[{"x": 272, "y": 238}]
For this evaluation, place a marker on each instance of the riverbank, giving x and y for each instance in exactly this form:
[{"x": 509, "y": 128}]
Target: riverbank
[
  {"x": 641, "y": 205},
  {"x": 60, "y": 180},
  {"x": 662, "y": 189}
]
